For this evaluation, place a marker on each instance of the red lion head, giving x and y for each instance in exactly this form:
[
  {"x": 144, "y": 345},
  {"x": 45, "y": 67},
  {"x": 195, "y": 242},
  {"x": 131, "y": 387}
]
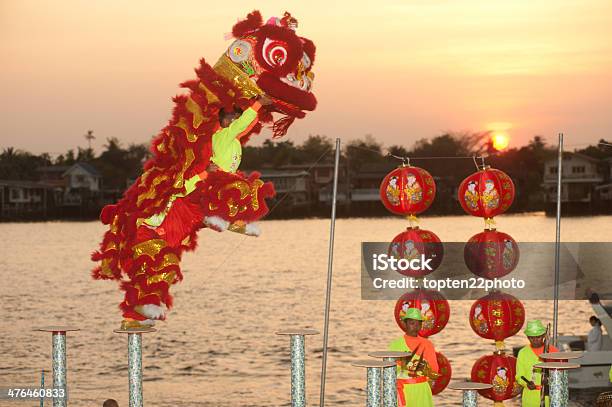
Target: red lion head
[{"x": 271, "y": 59}]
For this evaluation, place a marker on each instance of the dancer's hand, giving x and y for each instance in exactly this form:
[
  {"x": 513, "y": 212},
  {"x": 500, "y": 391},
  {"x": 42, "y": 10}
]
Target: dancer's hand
[{"x": 264, "y": 100}]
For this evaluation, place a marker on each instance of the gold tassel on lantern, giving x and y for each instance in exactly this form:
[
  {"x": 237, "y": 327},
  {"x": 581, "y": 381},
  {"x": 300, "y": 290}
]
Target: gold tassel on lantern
[{"x": 413, "y": 221}]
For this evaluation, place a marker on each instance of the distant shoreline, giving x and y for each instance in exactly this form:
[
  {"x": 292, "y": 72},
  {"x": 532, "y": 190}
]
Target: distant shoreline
[{"x": 315, "y": 217}]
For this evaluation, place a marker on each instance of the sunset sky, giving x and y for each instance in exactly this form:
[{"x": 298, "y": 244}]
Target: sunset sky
[{"x": 400, "y": 70}]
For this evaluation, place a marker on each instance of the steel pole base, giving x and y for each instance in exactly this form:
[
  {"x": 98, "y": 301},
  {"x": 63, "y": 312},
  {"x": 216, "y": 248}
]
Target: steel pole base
[
  {"x": 390, "y": 375},
  {"x": 470, "y": 391},
  {"x": 298, "y": 364},
  {"x": 135, "y": 364},
  {"x": 374, "y": 379},
  {"x": 58, "y": 352},
  {"x": 559, "y": 389}
]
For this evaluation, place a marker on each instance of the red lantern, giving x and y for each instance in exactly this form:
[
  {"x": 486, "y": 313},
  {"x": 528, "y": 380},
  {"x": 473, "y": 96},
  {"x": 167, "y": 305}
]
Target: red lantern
[
  {"x": 417, "y": 243},
  {"x": 445, "y": 372},
  {"x": 486, "y": 193},
  {"x": 498, "y": 370},
  {"x": 434, "y": 308},
  {"x": 497, "y": 316},
  {"x": 407, "y": 191},
  {"x": 491, "y": 254}
]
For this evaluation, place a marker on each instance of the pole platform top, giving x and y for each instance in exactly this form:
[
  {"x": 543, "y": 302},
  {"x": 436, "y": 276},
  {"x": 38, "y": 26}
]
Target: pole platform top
[
  {"x": 562, "y": 355},
  {"x": 389, "y": 354},
  {"x": 557, "y": 365},
  {"x": 373, "y": 363},
  {"x": 469, "y": 386},
  {"x": 57, "y": 328},
  {"x": 298, "y": 331},
  {"x": 134, "y": 331}
]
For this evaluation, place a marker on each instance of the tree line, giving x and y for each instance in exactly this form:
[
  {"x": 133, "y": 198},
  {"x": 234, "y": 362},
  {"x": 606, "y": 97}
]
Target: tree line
[{"x": 445, "y": 156}]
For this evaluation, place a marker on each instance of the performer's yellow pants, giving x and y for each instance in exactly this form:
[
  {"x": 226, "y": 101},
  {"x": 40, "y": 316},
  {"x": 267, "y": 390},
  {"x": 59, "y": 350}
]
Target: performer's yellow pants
[
  {"x": 418, "y": 395},
  {"x": 531, "y": 398}
]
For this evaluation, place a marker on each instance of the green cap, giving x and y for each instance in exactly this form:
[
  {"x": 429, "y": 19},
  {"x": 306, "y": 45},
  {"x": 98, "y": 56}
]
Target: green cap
[
  {"x": 535, "y": 328},
  {"x": 412, "y": 313}
]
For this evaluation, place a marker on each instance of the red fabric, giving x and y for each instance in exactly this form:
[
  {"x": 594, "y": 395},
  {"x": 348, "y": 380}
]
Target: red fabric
[
  {"x": 309, "y": 49},
  {"x": 280, "y": 90},
  {"x": 184, "y": 218},
  {"x": 395, "y": 195},
  {"x": 292, "y": 45},
  {"x": 491, "y": 254},
  {"x": 252, "y": 22},
  {"x": 502, "y": 184},
  {"x": 501, "y": 316},
  {"x": 281, "y": 126},
  {"x": 181, "y": 150},
  {"x": 427, "y": 243},
  {"x": 425, "y": 346},
  {"x": 439, "y": 310},
  {"x": 222, "y": 191},
  {"x": 540, "y": 350},
  {"x": 485, "y": 369},
  {"x": 446, "y": 372}
]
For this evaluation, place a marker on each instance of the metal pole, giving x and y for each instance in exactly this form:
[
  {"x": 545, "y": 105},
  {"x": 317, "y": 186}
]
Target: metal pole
[
  {"x": 559, "y": 394},
  {"x": 329, "y": 274},
  {"x": 59, "y": 368},
  {"x": 58, "y": 355},
  {"x": 298, "y": 364},
  {"x": 135, "y": 363},
  {"x": 470, "y": 398},
  {"x": 558, "y": 240},
  {"x": 390, "y": 384},
  {"x": 374, "y": 387},
  {"x": 135, "y": 369},
  {"x": 565, "y": 385},
  {"x": 298, "y": 371},
  {"x": 42, "y": 386}
]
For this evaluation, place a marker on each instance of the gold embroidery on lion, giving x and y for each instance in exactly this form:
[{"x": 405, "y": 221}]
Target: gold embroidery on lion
[
  {"x": 245, "y": 190},
  {"x": 189, "y": 157},
  {"x": 150, "y": 247},
  {"x": 151, "y": 192}
]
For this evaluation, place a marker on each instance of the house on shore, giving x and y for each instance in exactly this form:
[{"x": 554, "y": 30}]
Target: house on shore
[
  {"x": 21, "y": 200},
  {"x": 61, "y": 191},
  {"x": 581, "y": 187},
  {"x": 604, "y": 191}
]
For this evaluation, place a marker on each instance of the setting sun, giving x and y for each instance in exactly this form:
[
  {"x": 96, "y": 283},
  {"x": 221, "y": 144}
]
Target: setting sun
[{"x": 500, "y": 141}]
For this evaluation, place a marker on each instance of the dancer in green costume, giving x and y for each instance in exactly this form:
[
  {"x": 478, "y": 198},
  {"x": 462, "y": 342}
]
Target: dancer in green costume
[
  {"x": 527, "y": 376},
  {"x": 413, "y": 375}
]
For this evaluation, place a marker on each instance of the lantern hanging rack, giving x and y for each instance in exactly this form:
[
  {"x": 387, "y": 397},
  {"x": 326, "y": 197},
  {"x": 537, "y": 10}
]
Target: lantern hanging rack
[
  {"x": 482, "y": 165},
  {"x": 450, "y": 157}
]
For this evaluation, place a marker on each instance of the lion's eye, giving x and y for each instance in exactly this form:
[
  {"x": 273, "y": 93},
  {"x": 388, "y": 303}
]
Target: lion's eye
[
  {"x": 239, "y": 51},
  {"x": 274, "y": 52}
]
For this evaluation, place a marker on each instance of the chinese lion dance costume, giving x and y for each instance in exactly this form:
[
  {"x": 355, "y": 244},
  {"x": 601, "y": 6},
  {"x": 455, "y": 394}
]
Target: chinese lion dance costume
[{"x": 177, "y": 194}]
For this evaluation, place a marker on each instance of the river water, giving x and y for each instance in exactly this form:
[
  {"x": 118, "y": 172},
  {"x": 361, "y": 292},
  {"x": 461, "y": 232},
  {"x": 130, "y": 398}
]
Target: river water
[{"x": 218, "y": 346}]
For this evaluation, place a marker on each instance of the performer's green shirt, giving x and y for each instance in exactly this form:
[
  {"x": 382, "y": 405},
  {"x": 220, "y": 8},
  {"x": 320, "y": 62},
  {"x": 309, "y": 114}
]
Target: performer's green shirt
[
  {"x": 527, "y": 358},
  {"x": 226, "y": 147},
  {"x": 416, "y": 394},
  {"x": 226, "y": 154}
]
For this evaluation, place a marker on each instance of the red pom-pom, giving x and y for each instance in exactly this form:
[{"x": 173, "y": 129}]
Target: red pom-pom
[
  {"x": 309, "y": 49},
  {"x": 252, "y": 22},
  {"x": 108, "y": 214}
]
